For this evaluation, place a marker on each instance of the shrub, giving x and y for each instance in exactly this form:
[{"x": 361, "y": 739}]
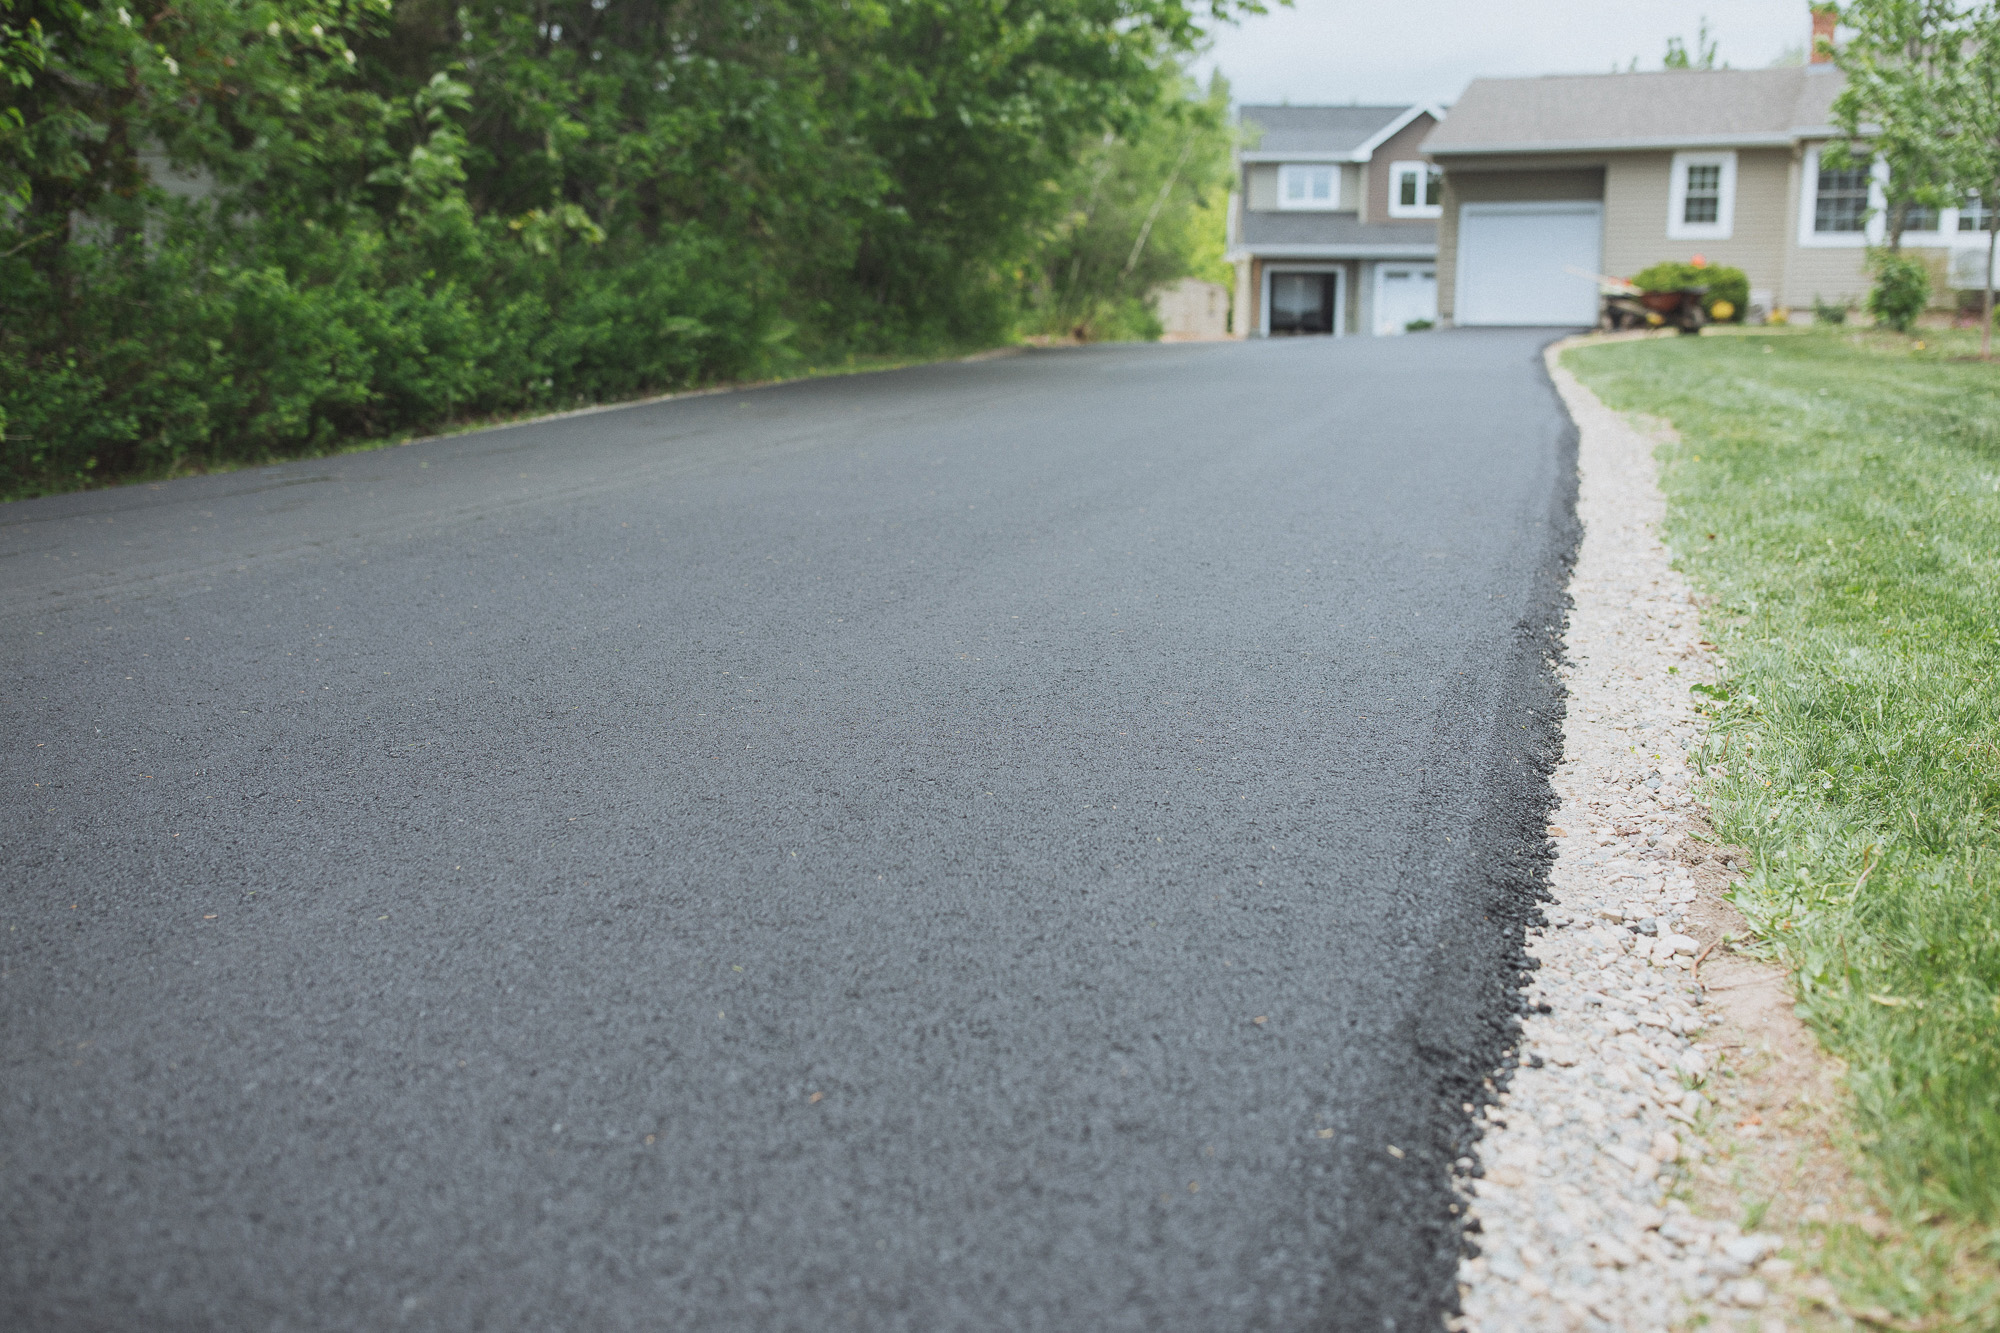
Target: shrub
[
  {"x": 1723, "y": 282},
  {"x": 1830, "y": 312},
  {"x": 1902, "y": 289}
]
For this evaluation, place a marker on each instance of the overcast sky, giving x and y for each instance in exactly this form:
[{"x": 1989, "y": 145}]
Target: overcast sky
[{"x": 1427, "y": 50}]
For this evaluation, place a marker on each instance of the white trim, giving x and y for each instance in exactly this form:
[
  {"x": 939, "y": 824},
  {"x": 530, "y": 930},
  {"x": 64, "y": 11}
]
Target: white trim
[
  {"x": 1769, "y": 139},
  {"x": 1397, "y": 170},
  {"x": 1361, "y": 153},
  {"x": 1872, "y": 227},
  {"x": 1375, "y": 315},
  {"x": 1395, "y": 127},
  {"x": 1298, "y": 155},
  {"x": 1330, "y": 204},
  {"x": 1339, "y": 272},
  {"x": 1678, "y": 228},
  {"x": 1282, "y": 253},
  {"x": 1594, "y": 207}
]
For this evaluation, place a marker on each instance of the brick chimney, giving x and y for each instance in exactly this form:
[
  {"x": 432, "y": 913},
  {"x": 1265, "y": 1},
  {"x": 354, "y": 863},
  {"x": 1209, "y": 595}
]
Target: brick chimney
[{"x": 1825, "y": 18}]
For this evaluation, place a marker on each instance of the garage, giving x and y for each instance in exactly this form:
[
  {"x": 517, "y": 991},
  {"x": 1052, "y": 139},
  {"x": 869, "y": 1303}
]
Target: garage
[{"x": 1529, "y": 263}]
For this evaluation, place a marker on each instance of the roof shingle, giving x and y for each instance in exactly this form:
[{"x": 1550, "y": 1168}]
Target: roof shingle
[
  {"x": 1317, "y": 129},
  {"x": 1671, "y": 108}
]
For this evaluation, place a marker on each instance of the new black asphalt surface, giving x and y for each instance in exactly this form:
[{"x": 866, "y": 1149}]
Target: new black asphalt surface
[{"x": 1040, "y": 844}]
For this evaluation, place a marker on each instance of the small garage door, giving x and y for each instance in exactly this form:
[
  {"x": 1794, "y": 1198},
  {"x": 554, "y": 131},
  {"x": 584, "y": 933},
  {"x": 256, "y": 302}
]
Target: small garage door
[{"x": 1525, "y": 263}]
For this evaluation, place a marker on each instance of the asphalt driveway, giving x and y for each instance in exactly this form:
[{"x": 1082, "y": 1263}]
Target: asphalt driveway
[{"x": 1040, "y": 844}]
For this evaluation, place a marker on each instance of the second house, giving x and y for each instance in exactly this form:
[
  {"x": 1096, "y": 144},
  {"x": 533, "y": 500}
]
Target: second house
[{"x": 1333, "y": 227}]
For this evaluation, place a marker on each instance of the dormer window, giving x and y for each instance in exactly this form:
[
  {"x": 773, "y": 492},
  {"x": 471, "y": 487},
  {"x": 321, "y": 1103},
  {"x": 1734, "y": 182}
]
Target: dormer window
[
  {"x": 1416, "y": 190},
  {"x": 1309, "y": 186}
]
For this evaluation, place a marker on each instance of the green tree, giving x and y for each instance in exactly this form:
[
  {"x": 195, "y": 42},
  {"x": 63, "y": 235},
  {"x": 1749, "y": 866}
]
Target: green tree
[
  {"x": 239, "y": 229},
  {"x": 1140, "y": 211},
  {"x": 1898, "y": 106},
  {"x": 1703, "y": 56},
  {"x": 1975, "y": 143}
]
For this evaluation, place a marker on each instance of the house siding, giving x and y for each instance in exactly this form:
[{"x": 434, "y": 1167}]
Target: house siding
[
  {"x": 1828, "y": 273},
  {"x": 1637, "y": 195},
  {"x": 1260, "y": 186},
  {"x": 1543, "y": 182},
  {"x": 1832, "y": 273},
  {"x": 1405, "y": 145}
]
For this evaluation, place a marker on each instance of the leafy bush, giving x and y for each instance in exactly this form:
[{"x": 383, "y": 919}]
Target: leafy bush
[
  {"x": 1117, "y": 240},
  {"x": 386, "y": 214},
  {"x": 1902, "y": 289},
  {"x": 1723, "y": 282},
  {"x": 1831, "y": 312}
]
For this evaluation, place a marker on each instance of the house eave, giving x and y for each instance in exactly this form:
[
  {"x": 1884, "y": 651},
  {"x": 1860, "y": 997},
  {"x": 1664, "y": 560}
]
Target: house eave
[
  {"x": 1261, "y": 156},
  {"x": 1415, "y": 252},
  {"x": 1676, "y": 141}
]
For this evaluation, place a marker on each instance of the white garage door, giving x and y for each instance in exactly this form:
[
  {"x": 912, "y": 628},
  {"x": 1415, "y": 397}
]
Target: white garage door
[{"x": 1519, "y": 263}]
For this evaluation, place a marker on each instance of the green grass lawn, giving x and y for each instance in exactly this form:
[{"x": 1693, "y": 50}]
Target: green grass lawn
[{"x": 1837, "y": 496}]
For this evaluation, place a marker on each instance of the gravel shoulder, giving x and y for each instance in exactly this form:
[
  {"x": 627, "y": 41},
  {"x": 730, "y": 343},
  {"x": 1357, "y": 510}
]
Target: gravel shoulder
[{"x": 1663, "y": 1078}]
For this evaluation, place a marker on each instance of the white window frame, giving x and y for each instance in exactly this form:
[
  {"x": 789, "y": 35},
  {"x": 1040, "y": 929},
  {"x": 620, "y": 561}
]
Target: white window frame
[
  {"x": 1949, "y": 225},
  {"x": 1287, "y": 172},
  {"x": 1873, "y": 230},
  {"x": 1724, "y": 226},
  {"x": 1398, "y": 209},
  {"x": 1930, "y": 237},
  {"x": 1339, "y": 272}
]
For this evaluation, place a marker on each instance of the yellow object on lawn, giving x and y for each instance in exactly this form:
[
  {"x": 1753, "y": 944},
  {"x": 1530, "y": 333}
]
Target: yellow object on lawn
[{"x": 1722, "y": 310}]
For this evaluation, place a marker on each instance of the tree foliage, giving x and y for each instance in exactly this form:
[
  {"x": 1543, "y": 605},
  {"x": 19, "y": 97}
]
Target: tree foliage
[
  {"x": 237, "y": 229},
  {"x": 1140, "y": 211},
  {"x": 1706, "y": 53},
  {"x": 1923, "y": 96},
  {"x": 1903, "y": 68}
]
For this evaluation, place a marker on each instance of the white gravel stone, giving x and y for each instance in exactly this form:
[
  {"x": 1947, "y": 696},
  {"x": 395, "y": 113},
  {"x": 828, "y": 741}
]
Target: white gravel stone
[{"x": 1574, "y": 1223}]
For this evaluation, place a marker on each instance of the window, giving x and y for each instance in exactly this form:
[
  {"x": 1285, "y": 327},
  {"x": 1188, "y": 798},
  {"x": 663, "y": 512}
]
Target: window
[
  {"x": 1841, "y": 201},
  {"x": 1840, "y": 204},
  {"x": 1920, "y": 217},
  {"x": 1702, "y": 197},
  {"x": 1309, "y": 187},
  {"x": 1416, "y": 190},
  {"x": 1972, "y": 214}
]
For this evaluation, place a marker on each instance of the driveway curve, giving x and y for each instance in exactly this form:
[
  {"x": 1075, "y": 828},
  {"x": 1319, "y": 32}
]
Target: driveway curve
[{"x": 1039, "y": 844}]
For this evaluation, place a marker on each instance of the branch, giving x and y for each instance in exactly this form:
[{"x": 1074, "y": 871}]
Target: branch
[
  {"x": 1153, "y": 214},
  {"x": 32, "y": 240}
]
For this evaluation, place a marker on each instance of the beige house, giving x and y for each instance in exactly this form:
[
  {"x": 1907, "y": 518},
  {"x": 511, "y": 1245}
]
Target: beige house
[
  {"x": 1333, "y": 224},
  {"x": 1549, "y": 181}
]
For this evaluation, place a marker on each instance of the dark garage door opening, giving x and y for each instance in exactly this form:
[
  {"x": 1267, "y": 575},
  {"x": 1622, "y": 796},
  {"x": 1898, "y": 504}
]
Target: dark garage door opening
[{"x": 1301, "y": 303}]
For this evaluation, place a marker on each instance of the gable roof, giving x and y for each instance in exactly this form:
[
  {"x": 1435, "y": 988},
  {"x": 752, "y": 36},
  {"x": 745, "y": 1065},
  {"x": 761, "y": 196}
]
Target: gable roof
[
  {"x": 1721, "y": 108},
  {"x": 1324, "y": 133}
]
